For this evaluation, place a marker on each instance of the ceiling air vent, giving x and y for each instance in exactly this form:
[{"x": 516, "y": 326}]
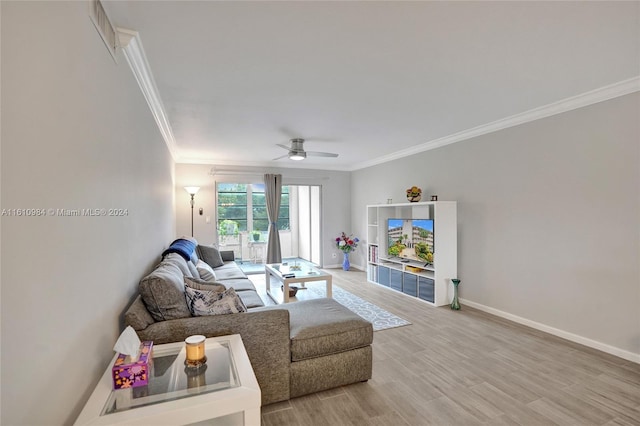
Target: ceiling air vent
[{"x": 103, "y": 25}]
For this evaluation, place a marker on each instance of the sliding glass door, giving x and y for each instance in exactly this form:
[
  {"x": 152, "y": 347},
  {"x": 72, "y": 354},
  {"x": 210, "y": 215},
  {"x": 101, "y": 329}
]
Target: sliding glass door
[
  {"x": 243, "y": 223},
  {"x": 308, "y": 206}
]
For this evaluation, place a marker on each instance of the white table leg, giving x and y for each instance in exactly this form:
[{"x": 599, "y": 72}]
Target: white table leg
[
  {"x": 267, "y": 281},
  {"x": 285, "y": 292},
  {"x": 252, "y": 417}
]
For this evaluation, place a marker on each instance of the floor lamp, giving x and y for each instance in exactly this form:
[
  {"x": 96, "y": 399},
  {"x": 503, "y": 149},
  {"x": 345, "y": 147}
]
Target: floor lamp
[{"x": 192, "y": 190}]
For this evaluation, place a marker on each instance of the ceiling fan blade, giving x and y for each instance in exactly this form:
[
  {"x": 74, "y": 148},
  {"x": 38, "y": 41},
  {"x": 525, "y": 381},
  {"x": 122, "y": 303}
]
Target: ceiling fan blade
[
  {"x": 284, "y": 146},
  {"x": 281, "y": 157},
  {"x": 321, "y": 154}
]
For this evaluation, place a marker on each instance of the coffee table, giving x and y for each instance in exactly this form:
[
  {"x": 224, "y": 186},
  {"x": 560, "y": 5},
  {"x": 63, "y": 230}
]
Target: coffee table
[
  {"x": 302, "y": 275},
  {"x": 226, "y": 390}
]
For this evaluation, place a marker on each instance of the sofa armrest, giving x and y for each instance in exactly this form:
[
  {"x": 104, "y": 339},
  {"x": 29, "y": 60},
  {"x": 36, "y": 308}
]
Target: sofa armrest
[
  {"x": 265, "y": 335},
  {"x": 227, "y": 255}
]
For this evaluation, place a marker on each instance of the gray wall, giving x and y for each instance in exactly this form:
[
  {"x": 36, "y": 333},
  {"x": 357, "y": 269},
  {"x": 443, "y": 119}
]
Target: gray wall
[
  {"x": 336, "y": 201},
  {"x": 195, "y": 175},
  {"x": 549, "y": 219},
  {"x": 76, "y": 133}
]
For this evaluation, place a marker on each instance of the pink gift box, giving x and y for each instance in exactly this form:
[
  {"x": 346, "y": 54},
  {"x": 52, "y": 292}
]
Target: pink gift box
[{"x": 127, "y": 374}]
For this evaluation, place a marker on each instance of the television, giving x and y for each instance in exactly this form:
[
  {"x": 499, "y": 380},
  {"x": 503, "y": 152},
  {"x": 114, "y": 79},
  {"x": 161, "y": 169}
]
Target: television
[{"x": 411, "y": 239}]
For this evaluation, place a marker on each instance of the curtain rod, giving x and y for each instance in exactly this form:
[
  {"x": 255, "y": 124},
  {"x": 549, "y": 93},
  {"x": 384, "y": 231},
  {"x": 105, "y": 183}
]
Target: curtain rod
[{"x": 222, "y": 172}]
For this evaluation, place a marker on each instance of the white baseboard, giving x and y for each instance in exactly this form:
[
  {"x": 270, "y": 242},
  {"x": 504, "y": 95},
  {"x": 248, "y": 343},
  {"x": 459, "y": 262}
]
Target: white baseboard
[
  {"x": 339, "y": 266},
  {"x": 621, "y": 353}
]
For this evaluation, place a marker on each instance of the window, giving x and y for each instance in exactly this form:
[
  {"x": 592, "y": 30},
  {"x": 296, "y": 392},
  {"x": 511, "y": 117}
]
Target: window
[
  {"x": 246, "y": 205},
  {"x": 232, "y": 204}
]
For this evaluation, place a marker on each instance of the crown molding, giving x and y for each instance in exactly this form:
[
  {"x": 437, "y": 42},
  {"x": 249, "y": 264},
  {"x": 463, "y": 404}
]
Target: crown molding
[
  {"x": 605, "y": 93},
  {"x": 131, "y": 45},
  {"x": 262, "y": 164}
]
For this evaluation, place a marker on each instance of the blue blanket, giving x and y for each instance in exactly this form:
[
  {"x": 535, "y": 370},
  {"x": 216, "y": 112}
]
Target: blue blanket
[{"x": 184, "y": 248}]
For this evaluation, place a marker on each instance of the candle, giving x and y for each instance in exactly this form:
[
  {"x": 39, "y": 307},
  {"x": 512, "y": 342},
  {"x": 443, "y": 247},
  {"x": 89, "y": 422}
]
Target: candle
[{"x": 195, "y": 348}]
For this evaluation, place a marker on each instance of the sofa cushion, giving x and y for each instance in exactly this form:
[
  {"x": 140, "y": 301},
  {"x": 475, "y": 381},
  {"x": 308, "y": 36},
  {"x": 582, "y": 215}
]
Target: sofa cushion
[
  {"x": 206, "y": 272},
  {"x": 211, "y": 255},
  {"x": 229, "y": 270},
  {"x": 251, "y": 299},
  {"x": 323, "y": 326},
  {"x": 202, "y": 302},
  {"x": 162, "y": 290},
  {"x": 239, "y": 284},
  {"x": 200, "y": 284}
]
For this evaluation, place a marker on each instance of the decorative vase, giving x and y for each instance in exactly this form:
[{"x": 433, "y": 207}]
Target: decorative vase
[
  {"x": 455, "y": 304},
  {"x": 414, "y": 199},
  {"x": 345, "y": 262}
]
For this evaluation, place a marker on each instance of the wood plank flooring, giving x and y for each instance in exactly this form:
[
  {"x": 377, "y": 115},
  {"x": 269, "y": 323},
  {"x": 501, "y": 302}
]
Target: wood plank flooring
[{"x": 468, "y": 368}]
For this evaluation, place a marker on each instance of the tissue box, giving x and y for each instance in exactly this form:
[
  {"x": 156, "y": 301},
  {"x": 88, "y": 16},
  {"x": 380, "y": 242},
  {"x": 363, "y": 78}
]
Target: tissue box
[{"x": 128, "y": 374}]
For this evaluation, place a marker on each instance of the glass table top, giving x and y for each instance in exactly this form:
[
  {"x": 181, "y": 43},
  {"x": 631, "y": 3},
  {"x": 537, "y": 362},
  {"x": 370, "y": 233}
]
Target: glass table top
[
  {"x": 170, "y": 379},
  {"x": 300, "y": 270}
]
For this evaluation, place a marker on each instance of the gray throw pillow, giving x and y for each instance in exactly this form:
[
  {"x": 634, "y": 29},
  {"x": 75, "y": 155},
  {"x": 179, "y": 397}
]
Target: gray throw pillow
[
  {"x": 205, "y": 285},
  {"x": 206, "y": 272},
  {"x": 213, "y": 303},
  {"x": 193, "y": 269},
  {"x": 210, "y": 255}
]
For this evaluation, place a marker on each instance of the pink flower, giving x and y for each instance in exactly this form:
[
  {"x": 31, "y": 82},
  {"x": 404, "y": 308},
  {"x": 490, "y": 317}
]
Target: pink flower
[{"x": 347, "y": 243}]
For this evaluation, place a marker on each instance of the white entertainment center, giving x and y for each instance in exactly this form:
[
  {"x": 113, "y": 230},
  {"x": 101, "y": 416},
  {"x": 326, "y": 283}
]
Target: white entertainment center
[{"x": 430, "y": 282}]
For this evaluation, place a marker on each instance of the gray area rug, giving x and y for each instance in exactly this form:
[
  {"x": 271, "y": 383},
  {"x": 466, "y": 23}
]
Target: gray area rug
[{"x": 380, "y": 318}]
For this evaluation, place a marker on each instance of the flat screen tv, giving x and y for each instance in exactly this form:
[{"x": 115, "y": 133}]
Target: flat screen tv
[{"x": 411, "y": 239}]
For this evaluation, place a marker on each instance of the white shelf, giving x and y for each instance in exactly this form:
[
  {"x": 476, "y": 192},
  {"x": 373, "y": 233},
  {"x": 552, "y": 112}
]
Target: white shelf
[{"x": 412, "y": 276}]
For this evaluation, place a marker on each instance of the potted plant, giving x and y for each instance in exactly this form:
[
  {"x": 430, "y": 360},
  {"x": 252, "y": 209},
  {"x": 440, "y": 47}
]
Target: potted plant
[{"x": 256, "y": 235}]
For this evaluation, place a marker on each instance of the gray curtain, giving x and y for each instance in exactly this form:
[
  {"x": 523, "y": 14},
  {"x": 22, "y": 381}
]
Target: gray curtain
[{"x": 273, "y": 194}]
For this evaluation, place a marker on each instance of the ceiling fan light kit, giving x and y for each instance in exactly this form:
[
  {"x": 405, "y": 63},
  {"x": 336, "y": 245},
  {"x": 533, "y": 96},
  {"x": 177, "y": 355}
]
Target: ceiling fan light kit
[{"x": 297, "y": 156}]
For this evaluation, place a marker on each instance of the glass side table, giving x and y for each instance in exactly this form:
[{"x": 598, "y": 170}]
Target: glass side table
[{"x": 225, "y": 388}]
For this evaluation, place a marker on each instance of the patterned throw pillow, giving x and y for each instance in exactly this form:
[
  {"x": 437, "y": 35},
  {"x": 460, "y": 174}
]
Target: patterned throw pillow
[
  {"x": 213, "y": 303},
  {"x": 206, "y": 271}
]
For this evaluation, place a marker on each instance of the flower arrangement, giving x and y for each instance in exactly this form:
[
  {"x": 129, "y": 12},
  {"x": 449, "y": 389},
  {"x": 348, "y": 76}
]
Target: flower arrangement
[
  {"x": 347, "y": 244},
  {"x": 414, "y": 193}
]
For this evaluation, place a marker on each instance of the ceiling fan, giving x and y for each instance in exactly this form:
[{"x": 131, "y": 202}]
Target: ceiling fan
[{"x": 297, "y": 152}]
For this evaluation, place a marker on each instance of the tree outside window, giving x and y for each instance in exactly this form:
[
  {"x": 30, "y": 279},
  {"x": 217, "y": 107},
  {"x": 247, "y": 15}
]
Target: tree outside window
[{"x": 246, "y": 205}]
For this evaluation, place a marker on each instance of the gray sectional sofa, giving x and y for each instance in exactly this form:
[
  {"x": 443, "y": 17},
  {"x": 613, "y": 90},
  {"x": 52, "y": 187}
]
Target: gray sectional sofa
[{"x": 294, "y": 349}]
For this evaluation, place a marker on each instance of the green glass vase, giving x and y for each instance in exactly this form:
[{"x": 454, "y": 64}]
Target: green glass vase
[{"x": 455, "y": 304}]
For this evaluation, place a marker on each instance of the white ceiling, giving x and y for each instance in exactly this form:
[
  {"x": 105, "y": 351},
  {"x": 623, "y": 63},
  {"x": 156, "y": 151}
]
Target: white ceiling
[{"x": 367, "y": 79}]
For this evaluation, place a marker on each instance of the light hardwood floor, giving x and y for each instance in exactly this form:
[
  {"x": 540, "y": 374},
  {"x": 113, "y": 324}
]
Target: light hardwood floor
[{"x": 468, "y": 368}]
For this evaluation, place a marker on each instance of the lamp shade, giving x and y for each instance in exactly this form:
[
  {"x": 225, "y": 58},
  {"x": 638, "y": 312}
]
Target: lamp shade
[{"x": 192, "y": 189}]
